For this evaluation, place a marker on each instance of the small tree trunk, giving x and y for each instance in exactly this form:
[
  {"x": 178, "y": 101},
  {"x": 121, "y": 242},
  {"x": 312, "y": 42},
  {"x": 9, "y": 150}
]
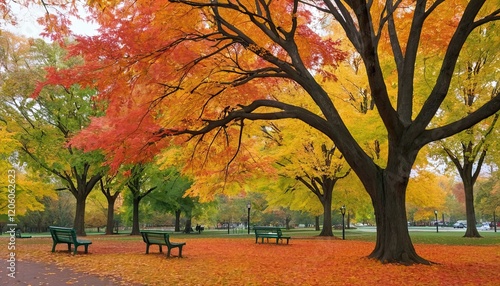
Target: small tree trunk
[
  {"x": 469, "y": 177},
  {"x": 287, "y": 221},
  {"x": 177, "y": 221},
  {"x": 316, "y": 223},
  {"x": 189, "y": 226},
  {"x": 111, "y": 198},
  {"x": 348, "y": 219}
]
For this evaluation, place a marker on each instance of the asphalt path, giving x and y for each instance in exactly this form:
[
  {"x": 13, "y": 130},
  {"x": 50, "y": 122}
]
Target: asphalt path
[{"x": 36, "y": 273}]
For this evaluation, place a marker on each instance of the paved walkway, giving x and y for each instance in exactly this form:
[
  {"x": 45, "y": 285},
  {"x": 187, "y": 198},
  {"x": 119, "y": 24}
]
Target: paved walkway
[{"x": 34, "y": 273}]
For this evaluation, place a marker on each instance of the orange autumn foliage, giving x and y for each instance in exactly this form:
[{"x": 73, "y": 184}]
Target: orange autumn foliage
[
  {"x": 239, "y": 261},
  {"x": 176, "y": 76}
]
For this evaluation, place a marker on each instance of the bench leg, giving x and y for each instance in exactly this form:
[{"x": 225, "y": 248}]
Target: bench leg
[
  {"x": 170, "y": 249},
  {"x": 86, "y": 248},
  {"x": 161, "y": 250},
  {"x": 54, "y": 247},
  {"x": 287, "y": 239},
  {"x": 180, "y": 250}
]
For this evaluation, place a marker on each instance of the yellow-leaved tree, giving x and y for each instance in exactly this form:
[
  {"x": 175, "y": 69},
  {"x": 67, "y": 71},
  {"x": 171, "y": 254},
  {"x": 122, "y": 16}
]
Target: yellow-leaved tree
[
  {"x": 21, "y": 189},
  {"x": 476, "y": 81}
]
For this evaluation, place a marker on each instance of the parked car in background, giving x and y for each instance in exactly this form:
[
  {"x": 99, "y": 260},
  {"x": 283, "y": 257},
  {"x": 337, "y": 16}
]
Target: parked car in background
[
  {"x": 439, "y": 223},
  {"x": 459, "y": 225},
  {"x": 483, "y": 226}
]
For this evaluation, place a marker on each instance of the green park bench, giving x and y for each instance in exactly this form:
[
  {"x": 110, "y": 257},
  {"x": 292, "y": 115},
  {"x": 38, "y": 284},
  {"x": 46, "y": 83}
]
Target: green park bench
[
  {"x": 67, "y": 235},
  {"x": 269, "y": 232},
  {"x": 160, "y": 238},
  {"x": 19, "y": 234}
]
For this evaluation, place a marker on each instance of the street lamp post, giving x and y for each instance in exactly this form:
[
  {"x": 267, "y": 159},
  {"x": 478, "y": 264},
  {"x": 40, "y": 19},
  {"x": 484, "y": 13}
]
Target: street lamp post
[
  {"x": 248, "y": 217},
  {"x": 342, "y": 211},
  {"x": 437, "y": 224}
]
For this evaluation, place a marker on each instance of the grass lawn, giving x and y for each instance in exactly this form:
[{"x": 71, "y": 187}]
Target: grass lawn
[{"x": 216, "y": 258}]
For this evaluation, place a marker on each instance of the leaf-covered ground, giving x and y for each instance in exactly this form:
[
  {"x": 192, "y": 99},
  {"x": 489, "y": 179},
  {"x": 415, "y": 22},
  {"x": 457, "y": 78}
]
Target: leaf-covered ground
[{"x": 239, "y": 261}]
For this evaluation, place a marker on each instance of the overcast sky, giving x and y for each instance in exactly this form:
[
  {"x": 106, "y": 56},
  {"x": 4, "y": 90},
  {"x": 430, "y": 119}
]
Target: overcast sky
[{"x": 28, "y": 26}]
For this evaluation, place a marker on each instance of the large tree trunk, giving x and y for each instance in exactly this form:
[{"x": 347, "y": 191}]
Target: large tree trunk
[
  {"x": 81, "y": 191},
  {"x": 388, "y": 196},
  {"x": 110, "y": 223},
  {"x": 327, "y": 214},
  {"x": 79, "y": 222},
  {"x": 135, "y": 216},
  {"x": 469, "y": 209},
  {"x": 393, "y": 240}
]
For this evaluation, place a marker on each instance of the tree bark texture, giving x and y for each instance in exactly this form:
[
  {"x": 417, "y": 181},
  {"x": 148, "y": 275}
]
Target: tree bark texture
[
  {"x": 135, "y": 216},
  {"x": 79, "y": 222},
  {"x": 470, "y": 211},
  {"x": 177, "y": 221},
  {"x": 81, "y": 192},
  {"x": 110, "y": 222},
  {"x": 393, "y": 243},
  {"x": 327, "y": 214},
  {"x": 323, "y": 187}
]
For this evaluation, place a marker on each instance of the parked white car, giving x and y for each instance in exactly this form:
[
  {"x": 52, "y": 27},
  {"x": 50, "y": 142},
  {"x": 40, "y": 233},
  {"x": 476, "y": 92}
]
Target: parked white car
[{"x": 484, "y": 226}]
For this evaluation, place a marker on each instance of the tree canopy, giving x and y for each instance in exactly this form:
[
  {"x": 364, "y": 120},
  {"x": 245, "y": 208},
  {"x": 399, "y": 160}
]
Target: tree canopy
[{"x": 44, "y": 125}]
